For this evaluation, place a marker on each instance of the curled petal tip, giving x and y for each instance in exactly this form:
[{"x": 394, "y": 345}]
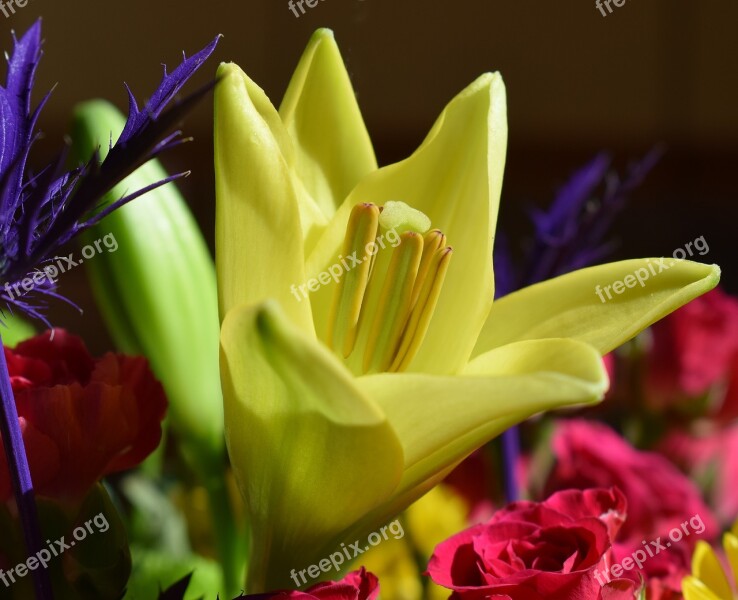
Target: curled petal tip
[{"x": 323, "y": 33}]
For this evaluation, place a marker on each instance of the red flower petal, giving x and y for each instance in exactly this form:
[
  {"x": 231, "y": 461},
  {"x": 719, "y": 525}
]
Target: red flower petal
[{"x": 82, "y": 418}]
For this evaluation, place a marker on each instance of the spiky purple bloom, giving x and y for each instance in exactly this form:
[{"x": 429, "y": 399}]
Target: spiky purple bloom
[
  {"x": 570, "y": 235},
  {"x": 40, "y": 212}
]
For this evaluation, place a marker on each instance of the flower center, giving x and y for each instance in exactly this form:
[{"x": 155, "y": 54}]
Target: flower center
[{"x": 383, "y": 304}]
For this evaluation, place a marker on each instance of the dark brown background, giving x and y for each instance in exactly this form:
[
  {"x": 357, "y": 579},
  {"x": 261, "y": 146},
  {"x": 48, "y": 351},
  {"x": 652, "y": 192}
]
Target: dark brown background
[{"x": 659, "y": 71}]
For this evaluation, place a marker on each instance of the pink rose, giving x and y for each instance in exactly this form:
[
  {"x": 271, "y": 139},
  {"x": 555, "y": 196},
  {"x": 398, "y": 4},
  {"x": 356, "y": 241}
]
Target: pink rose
[
  {"x": 661, "y": 573},
  {"x": 724, "y": 407},
  {"x": 694, "y": 348},
  {"x": 357, "y": 585},
  {"x": 710, "y": 456},
  {"x": 609, "y": 361},
  {"x": 660, "y": 498},
  {"x": 553, "y": 550}
]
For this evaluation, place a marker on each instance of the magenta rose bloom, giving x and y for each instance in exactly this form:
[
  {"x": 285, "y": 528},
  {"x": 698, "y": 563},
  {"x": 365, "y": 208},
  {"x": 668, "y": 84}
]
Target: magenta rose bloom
[
  {"x": 662, "y": 574},
  {"x": 723, "y": 407},
  {"x": 710, "y": 456},
  {"x": 552, "y": 550},
  {"x": 694, "y": 348},
  {"x": 590, "y": 454},
  {"x": 357, "y": 585}
]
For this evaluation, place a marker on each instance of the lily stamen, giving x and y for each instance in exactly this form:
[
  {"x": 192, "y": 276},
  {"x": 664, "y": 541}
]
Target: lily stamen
[
  {"x": 420, "y": 318},
  {"x": 395, "y": 303},
  {"x": 349, "y": 296},
  {"x": 388, "y": 300},
  {"x": 433, "y": 240}
]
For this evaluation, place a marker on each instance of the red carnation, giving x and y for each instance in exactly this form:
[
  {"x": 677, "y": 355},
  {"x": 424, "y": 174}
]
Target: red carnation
[{"x": 82, "y": 418}]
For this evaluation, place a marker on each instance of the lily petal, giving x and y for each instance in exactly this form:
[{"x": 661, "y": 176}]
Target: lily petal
[
  {"x": 333, "y": 150},
  {"x": 569, "y": 305},
  {"x": 730, "y": 544},
  {"x": 707, "y": 568},
  {"x": 503, "y": 386},
  {"x": 455, "y": 178},
  {"x": 495, "y": 391},
  {"x": 259, "y": 248},
  {"x": 694, "y": 589},
  {"x": 299, "y": 433}
]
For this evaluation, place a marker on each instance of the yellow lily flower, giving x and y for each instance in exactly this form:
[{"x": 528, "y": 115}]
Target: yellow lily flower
[
  {"x": 346, "y": 404},
  {"x": 709, "y": 581}
]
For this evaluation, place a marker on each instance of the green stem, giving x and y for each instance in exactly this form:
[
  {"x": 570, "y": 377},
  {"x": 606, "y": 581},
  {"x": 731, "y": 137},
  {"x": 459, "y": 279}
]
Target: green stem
[
  {"x": 153, "y": 465},
  {"x": 231, "y": 540}
]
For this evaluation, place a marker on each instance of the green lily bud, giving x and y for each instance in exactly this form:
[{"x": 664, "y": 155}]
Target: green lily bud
[
  {"x": 86, "y": 551},
  {"x": 154, "y": 281},
  {"x": 15, "y": 329}
]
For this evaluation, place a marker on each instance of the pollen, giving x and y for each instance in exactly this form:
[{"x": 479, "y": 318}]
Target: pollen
[{"x": 382, "y": 308}]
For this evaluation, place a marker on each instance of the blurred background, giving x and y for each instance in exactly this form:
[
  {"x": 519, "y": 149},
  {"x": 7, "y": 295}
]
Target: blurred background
[{"x": 578, "y": 83}]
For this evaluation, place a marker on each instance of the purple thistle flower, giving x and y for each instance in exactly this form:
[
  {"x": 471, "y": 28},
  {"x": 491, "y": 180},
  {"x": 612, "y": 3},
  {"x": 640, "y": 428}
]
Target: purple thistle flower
[
  {"x": 41, "y": 212},
  {"x": 571, "y": 234}
]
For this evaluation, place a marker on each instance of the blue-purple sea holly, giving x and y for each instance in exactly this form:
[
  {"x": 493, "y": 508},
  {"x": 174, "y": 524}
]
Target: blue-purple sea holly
[
  {"x": 348, "y": 400},
  {"x": 42, "y": 209}
]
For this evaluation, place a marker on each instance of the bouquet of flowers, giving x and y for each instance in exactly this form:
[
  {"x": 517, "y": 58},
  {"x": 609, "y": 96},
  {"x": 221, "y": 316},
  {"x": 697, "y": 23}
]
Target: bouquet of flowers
[{"x": 314, "y": 413}]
